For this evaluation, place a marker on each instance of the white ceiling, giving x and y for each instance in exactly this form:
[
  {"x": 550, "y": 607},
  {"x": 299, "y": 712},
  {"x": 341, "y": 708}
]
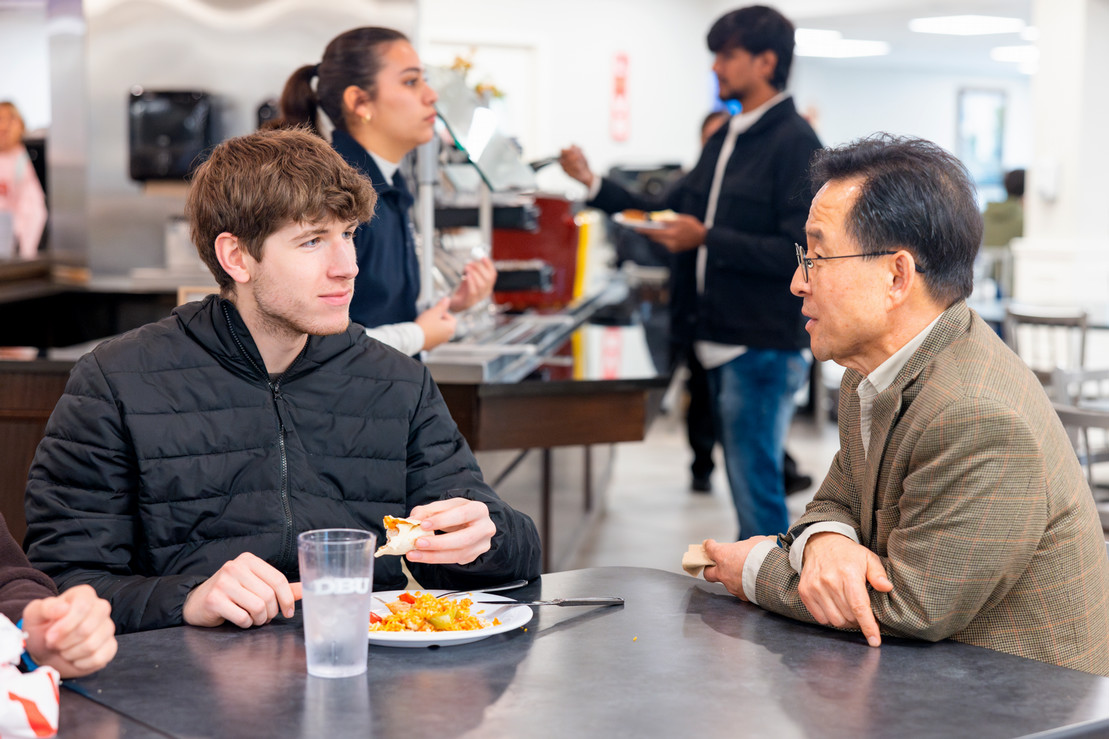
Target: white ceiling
[
  {"x": 888, "y": 20},
  {"x": 873, "y": 20}
]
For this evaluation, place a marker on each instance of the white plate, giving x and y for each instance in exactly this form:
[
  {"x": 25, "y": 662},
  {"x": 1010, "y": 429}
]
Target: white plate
[
  {"x": 510, "y": 618},
  {"x": 641, "y": 225}
]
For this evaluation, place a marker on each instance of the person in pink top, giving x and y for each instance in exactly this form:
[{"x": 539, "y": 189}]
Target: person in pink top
[{"x": 20, "y": 192}]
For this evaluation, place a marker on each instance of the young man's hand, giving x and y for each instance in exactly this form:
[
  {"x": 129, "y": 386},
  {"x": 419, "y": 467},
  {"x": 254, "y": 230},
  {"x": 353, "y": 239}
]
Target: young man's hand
[
  {"x": 247, "y": 591},
  {"x": 680, "y": 233},
  {"x": 72, "y": 632},
  {"x": 467, "y": 531},
  {"x": 574, "y": 164}
]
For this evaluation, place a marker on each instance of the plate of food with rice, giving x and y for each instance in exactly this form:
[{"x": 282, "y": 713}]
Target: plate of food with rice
[{"x": 420, "y": 618}]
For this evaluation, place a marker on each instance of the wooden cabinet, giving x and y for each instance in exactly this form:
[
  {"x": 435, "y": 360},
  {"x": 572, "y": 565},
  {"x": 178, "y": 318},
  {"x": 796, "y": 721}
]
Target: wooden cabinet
[{"x": 28, "y": 393}]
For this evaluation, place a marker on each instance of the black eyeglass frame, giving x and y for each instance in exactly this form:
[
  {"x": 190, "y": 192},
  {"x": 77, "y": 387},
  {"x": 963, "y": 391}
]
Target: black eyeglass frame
[{"x": 806, "y": 263}]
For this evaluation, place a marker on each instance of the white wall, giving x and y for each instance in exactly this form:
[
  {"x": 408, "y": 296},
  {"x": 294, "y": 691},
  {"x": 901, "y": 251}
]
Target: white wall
[
  {"x": 567, "y": 50},
  {"x": 556, "y": 65},
  {"x": 852, "y": 100},
  {"x": 23, "y": 56}
]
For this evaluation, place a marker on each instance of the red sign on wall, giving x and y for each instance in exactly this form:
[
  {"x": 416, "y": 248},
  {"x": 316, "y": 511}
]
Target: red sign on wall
[{"x": 620, "y": 111}]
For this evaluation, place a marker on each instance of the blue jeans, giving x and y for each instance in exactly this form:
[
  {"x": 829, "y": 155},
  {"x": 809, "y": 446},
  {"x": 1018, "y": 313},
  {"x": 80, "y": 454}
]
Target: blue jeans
[{"x": 753, "y": 406}]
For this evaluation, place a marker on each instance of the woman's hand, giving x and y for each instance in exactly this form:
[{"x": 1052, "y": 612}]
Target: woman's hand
[
  {"x": 477, "y": 283},
  {"x": 437, "y": 323}
]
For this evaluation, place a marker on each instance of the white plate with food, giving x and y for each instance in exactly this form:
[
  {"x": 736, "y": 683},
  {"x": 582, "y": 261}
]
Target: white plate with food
[
  {"x": 652, "y": 221},
  {"x": 508, "y": 617}
]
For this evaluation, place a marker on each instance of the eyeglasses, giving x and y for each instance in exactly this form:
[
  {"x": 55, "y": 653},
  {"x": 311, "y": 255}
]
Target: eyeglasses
[{"x": 806, "y": 263}]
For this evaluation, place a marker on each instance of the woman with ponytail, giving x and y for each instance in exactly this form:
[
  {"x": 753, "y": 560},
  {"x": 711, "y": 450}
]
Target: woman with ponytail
[{"x": 370, "y": 84}]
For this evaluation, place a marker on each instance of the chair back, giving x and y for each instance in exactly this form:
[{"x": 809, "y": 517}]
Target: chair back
[
  {"x": 1087, "y": 388},
  {"x": 1047, "y": 339},
  {"x": 1088, "y": 429}
]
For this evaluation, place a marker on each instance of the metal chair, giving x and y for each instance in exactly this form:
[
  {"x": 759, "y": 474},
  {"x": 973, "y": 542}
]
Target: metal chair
[
  {"x": 1079, "y": 423},
  {"x": 1047, "y": 339},
  {"x": 1086, "y": 388}
]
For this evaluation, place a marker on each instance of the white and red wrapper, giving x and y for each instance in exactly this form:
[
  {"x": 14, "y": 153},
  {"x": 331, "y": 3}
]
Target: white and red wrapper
[{"x": 28, "y": 700}]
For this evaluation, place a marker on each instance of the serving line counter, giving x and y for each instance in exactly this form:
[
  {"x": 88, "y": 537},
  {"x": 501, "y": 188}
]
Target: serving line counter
[
  {"x": 680, "y": 658},
  {"x": 542, "y": 397},
  {"x": 41, "y": 307}
]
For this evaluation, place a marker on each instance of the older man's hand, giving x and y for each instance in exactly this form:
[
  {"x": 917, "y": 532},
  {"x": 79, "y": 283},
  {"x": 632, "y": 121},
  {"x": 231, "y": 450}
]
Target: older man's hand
[
  {"x": 729, "y": 559},
  {"x": 834, "y": 577}
]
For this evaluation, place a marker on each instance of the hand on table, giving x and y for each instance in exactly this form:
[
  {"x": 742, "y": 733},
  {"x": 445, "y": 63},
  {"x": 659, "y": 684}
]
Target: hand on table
[
  {"x": 468, "y": 531},
  {"x": 834, "y": 577},
  {"x": 679, "y": 233},
  {"x": 72, "y": 632},
  {"x": 729, "y": 559},
  {"x": 574, "y": 164},
  {"x": 437, "y": 323},
  {"x": 247, "y": 591},
  {"x": 478, "y": 278}
]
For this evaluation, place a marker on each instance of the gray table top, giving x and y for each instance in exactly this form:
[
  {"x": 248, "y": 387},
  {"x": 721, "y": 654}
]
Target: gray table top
[{"x": 680, "y": 658}]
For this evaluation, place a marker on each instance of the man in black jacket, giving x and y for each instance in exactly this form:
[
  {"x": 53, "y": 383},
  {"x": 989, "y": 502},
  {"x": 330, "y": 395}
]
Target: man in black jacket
[
  {"x": 186, "y": 456},
  {"x": 739, "y": 213}
]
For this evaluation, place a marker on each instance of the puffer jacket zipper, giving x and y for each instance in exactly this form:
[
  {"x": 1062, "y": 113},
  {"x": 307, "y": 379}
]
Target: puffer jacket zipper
[{"x": 288, "y": 546}]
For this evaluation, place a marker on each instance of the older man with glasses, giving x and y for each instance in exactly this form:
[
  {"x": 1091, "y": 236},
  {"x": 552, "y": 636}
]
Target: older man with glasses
[{"x": 955, "y": 507}]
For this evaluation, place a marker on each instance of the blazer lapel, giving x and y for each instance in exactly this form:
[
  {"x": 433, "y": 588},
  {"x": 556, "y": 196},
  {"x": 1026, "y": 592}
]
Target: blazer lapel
[
  {"x": 850, "y": 415},
  {"x": 887, "y": 406},
  {"x": 887, "y": 409}
]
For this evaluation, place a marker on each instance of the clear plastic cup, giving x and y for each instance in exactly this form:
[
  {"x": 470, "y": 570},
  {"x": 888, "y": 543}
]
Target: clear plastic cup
[{"x": 336, "y": 574}]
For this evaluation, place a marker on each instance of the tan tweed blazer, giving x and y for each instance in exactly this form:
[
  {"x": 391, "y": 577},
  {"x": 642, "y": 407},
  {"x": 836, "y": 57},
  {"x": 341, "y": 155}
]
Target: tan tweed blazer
[{"x": 974, "y": 499}]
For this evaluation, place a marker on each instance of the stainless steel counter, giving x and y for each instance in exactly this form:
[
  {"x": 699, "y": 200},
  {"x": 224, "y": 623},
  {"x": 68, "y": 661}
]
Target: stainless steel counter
[{"x": 515, "y": 345}]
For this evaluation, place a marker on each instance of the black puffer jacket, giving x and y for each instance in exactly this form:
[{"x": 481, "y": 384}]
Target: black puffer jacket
[{"x": 172, "y": 452}]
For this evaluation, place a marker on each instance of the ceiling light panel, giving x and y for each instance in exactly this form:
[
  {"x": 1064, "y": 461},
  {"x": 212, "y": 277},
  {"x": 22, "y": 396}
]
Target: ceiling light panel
[
  {"x": 818, "y": 42},
  {"x": 967, "y": 25}
]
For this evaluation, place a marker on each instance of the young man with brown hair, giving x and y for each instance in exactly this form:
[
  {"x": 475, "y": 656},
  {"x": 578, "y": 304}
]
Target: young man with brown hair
[{"x": 186, "y": 456}]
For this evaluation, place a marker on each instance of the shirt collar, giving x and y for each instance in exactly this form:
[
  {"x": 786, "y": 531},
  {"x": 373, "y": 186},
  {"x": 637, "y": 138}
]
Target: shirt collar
[
  {"x": 747, "y": 118},
  {"x": 388, "y": 169},
  {"x": 885, "y": 373}
]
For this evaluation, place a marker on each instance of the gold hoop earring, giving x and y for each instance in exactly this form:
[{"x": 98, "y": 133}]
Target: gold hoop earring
[{"x": 366, "y": 119}]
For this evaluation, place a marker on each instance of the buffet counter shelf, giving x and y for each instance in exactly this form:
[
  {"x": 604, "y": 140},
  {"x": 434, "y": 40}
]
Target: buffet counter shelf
[{"x": 542, "y": 399}]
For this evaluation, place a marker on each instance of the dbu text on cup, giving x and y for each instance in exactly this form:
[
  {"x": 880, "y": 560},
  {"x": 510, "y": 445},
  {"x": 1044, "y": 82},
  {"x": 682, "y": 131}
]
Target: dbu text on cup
[{"x": 339, "y": 586}]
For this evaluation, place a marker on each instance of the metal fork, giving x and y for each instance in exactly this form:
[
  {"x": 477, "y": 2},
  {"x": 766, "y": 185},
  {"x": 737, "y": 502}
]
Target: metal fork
[{"x": 507, "y": 586}]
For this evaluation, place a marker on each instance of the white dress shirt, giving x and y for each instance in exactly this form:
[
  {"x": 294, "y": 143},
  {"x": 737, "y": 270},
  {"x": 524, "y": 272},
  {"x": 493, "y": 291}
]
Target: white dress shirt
[{"x": 710, "y": 353}]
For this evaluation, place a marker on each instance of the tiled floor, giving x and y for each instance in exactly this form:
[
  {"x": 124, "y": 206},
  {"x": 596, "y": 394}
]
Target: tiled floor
[{"x": 650, "y": 516}]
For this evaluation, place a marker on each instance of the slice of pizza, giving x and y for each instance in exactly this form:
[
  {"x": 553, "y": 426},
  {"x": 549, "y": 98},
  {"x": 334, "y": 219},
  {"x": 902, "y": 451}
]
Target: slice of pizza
[{"x": 400, "y": 536}]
